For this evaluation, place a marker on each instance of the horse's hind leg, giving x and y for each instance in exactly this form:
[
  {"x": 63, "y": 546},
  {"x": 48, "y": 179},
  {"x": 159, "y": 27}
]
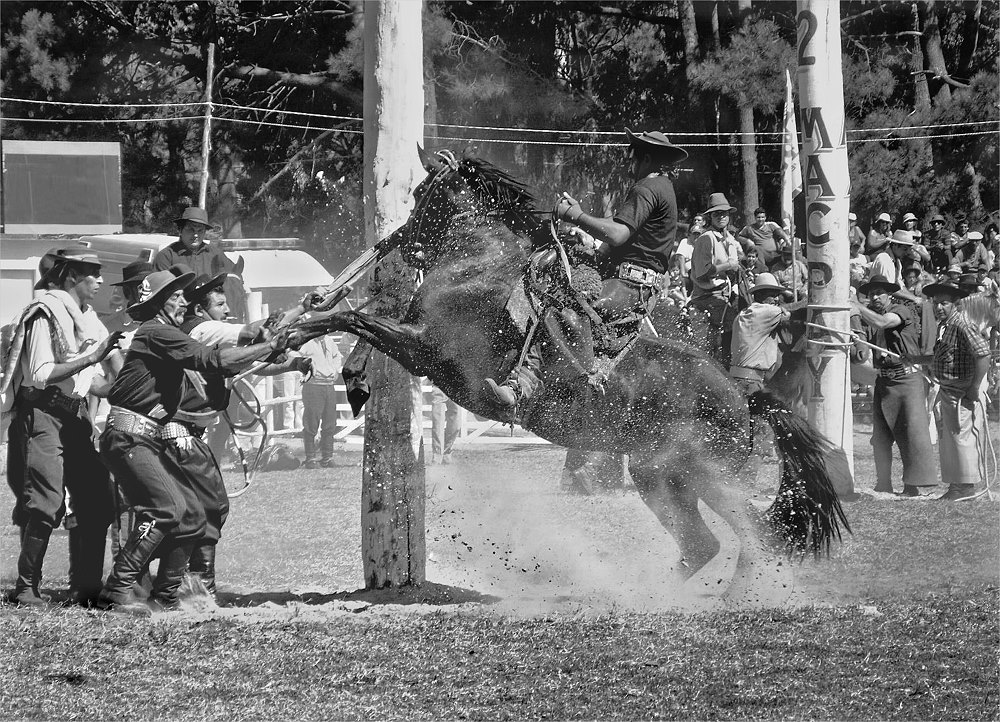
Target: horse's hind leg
[
  {"x": 763, "y": 577},
  {"x": 668, "y": 493}
]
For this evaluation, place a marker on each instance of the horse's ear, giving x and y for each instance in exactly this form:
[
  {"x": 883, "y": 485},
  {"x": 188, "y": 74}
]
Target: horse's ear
[{"x": 426, "y": 159}]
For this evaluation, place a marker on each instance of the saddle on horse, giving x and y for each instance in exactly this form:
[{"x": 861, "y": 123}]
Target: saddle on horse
[{"x": 577, "y": 329}]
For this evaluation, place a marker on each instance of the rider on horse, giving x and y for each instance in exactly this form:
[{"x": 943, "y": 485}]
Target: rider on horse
[{"x": 635, "y": 244}]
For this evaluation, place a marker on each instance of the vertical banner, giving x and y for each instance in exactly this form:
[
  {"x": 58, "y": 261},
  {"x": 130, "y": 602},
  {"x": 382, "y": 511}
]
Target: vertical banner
[
  {"x": 791, "y": 170},
  {"x": 827, "y": 188}
]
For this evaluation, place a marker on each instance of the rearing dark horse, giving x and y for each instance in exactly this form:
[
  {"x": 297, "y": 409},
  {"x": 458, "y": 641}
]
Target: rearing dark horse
[{"x": 685, "y": 427}]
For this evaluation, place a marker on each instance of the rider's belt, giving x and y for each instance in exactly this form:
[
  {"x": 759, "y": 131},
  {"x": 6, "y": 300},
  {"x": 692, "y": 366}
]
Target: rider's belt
[
  {"x": 638, "y": 274},
  {"x": 895, "y": 372},
  {"x": 178, "y": 430},
  {"x": 52, "y": 400},
  {"x": 743, "y": 372},
  {"x": 130, "y": 422}
]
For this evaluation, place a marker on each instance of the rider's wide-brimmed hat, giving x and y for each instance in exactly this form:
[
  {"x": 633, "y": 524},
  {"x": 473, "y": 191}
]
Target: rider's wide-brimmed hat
[
  {"x": 935, "y": 289},
  {"x": 154, "y": 290},
  {"x": 194, "y": 215},
  {"x": 767, "y": 282},
  {"x": 718, "y": 202},
  {"x": 658, "y": 141},
  {"x": 878, "y": 282},
  {"x": 58, "y": 257}
]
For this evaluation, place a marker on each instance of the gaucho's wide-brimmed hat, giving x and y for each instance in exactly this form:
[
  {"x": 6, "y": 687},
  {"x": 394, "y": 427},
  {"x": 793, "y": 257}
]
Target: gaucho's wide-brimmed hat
[
  {"x": 60, "y": 256},
  {"x": 202, "y": 285},
  {"x": 902, "y": 238},
  {"x": 878, "y": 282},
  {"x": 656, "y": 140},
  {"x": 935, "y": 289},
  {"x": 134, "y": 273},
  {"x": 156, "y": 288},
  {"x": 194, "y": 215},
  {"x": 718, "y": 202},
  {"x": 767, "y": 282}
]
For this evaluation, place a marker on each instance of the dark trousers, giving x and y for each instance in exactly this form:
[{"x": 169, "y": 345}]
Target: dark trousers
[
  {"x": 202, "y": 476},
  {"x": 899, "y": 414},
  {"x": 319, "y": 415},
  {"x": 154, "y": 485},
  {"x": 49, "y": 453},
  {"x": 712, "y": 326}
]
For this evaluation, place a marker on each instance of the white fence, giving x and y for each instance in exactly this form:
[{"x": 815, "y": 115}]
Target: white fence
[{"x": 351, "y": 430}]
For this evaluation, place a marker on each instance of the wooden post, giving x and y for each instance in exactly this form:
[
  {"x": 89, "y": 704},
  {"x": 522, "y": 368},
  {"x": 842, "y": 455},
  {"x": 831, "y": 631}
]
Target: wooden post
[
  {"x": 827, "y": 188},
  {"x": 392, "y": 491},
  {"x": 206, "y": 131}
]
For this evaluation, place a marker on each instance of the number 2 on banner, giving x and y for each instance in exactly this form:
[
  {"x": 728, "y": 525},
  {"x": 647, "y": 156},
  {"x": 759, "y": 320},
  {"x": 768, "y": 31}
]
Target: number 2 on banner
[{"x": 811, "y": 25}]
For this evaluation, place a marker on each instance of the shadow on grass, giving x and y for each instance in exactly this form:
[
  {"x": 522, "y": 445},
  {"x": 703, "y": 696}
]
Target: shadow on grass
[{"x": 427, "y": 593}]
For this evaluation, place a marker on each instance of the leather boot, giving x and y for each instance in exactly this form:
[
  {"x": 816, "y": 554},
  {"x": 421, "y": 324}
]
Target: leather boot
[
  {"x": 34, "y": 543},
  {"x": 86, "y": 564},
  {"x": 958, "y": 492},
  {"x": 203, "y": 564},
  {"x": 522, "y": 383},
  {"x": 170, "y": 576},
  {"x": 117, "y": 595}
]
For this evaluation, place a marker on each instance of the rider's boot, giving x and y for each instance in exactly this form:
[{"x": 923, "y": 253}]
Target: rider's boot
[
  {"x": 86, "y": 563},
  {"x": 118, "y": 594},
  {"x": 170, "y": 576},
  {"x": 522, "y": 383}
]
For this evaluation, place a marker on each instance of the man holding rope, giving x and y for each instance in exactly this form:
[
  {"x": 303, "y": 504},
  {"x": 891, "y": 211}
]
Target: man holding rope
[
  {"x": 899, "y": 407},
  {"x": 144, "y": 401},
  {"x": 205, "y": 396}
]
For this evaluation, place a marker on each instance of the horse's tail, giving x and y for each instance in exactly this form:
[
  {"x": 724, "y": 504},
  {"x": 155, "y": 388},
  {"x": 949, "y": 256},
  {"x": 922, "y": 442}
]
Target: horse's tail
[{"x": 806, "y": 512}]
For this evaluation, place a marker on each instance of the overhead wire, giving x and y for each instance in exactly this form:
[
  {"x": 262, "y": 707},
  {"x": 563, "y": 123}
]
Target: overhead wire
[{"x": 507, "y": 129}]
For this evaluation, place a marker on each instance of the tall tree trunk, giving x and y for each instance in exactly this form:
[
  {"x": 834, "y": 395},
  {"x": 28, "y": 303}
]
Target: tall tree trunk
[
  {"x": 226, "y": 212},
  {"x": 976, "y": 209},
  {"x": 970, "y": 39},
  {"x": 921, "y": 92},
  {"x": 933, "y": 51},
  {"x": 716, "y": 33},
  {"x": 748, "y": 154},
  {"x": 748, "y": 138},
  {"x": 392, "y": 484}
]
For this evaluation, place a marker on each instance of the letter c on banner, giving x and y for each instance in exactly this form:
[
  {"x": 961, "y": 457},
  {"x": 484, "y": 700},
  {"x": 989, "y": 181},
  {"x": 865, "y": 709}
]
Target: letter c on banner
[{"x": 818, "y": 226}]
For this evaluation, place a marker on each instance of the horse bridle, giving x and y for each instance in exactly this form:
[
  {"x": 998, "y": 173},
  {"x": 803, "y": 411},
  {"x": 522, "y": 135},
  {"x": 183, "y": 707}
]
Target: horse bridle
[{"x": 450, "y": 165}]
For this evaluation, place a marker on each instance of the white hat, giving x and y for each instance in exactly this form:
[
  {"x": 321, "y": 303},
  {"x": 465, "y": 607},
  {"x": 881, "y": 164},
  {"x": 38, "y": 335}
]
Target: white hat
[
  {"x": 909, "y": 217},
  {"x": 883, "y": 217},
  {"x": 852, "y": 216},
  {"x": 901, "y": 237},
  {"x": 975, "y": 236},
  {"x": 767, "y": 282}
]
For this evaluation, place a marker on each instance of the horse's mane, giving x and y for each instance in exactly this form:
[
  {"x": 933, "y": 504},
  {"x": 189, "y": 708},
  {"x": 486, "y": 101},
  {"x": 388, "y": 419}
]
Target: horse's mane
[
  {"x": 982, "y": 309},
  {"x": 502, "y": 194}
]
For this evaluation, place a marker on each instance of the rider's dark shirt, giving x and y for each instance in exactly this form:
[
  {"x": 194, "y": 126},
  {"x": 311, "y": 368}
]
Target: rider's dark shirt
[{"x": 650, "y": 212}]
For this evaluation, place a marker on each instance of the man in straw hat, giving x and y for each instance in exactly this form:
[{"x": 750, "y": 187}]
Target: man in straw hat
[
  {"x": 48, "y": 374},
  {"x": 637, "y": 242},
  {"x": 144, "y": 401},
  {"x": 712, "y": 265},
  {"x": 959, "y": 364},
  {"x": 755, "y": 353},
  {"x": 899, "y": 406}
]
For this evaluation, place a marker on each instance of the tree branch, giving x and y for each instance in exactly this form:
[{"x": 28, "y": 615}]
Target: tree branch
[
  {"x": 350, "y": 96},
  {"x": 613, "y": 11}
]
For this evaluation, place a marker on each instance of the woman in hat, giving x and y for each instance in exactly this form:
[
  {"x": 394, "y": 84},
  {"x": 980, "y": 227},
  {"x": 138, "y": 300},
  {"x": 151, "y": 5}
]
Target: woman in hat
[
  {"x": 910, "y": 222},
  {"x": 878, "y": 236},
  {"x": 899, "y": 407},
  {"x": 144, "y": 400},
  {"x": 637, "y": 242}
]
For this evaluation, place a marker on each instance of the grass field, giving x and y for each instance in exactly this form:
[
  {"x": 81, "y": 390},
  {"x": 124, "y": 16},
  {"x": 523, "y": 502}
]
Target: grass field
[{"x": 539, "y": 605}]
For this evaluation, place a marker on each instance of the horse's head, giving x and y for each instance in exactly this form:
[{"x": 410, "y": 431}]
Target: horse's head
[{"x": 459, "y": 198}]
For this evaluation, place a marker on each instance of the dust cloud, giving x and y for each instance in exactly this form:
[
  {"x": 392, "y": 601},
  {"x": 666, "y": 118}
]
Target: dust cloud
[{"x": 519, "y": 537}]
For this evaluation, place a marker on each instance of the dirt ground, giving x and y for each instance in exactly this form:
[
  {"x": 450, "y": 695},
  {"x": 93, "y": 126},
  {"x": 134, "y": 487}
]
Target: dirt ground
[{"x": 502, "y": 533}]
